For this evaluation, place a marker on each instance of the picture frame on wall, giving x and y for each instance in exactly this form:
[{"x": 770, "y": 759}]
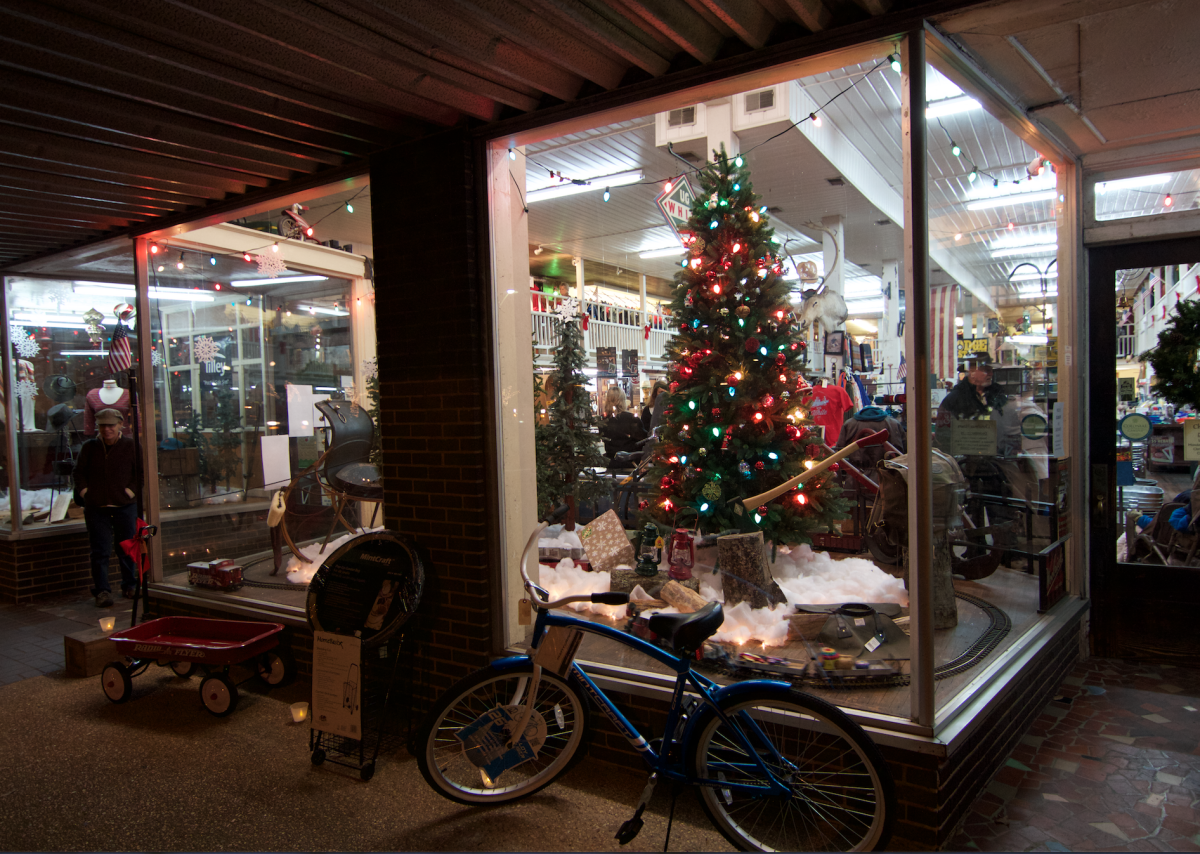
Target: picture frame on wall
[{"x": 835, "y": 343}]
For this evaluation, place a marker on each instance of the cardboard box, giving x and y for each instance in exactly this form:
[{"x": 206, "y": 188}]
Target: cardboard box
[{"x": 86, "y": 652}]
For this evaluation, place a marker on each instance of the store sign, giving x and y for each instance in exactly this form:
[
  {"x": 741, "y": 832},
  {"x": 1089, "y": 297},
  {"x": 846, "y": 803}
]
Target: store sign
[
  {"x": 1126, "y": 388},
  {"x": 973, "y": 437},
  {"x": 336, "y": 684},
  {"x": 1052, "y": 576},
  {"x": 1191, "y": 439},
  {"x": 970, "y": 346},
  {"x": 366, "y": 589},
  {"x": 1162, "y": 449},
  {"x": 676, "y": 204}
]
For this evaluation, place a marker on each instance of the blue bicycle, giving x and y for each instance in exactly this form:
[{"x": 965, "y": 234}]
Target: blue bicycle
[{"x": 775, "y": 769}]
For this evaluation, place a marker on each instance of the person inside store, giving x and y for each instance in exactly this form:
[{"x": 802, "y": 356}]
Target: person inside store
[
  {"x": 660, "y": 386},
  {"x": 106, "y": 483},
  {"x": 977, "y": 397},
  {"x": 620, "y": 429}
]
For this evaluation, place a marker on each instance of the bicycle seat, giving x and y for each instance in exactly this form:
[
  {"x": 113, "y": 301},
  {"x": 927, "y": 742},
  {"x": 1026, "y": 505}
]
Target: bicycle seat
[{"x": 688, "y": 631}]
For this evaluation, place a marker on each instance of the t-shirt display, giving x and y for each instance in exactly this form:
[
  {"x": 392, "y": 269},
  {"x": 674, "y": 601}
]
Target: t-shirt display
[{"x": 829, "y": 406}]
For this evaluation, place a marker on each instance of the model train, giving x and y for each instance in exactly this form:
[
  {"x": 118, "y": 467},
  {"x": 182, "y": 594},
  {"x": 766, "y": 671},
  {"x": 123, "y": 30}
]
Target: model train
[{"x": 222, "y": 574}]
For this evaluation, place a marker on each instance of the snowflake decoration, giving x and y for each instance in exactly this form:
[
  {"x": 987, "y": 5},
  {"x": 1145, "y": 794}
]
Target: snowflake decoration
[
  {"x": 156, "y": 358},
  {"x": 26, "y": 390},
  {"x": 205, "y": 349},
  {"x": 567, "y": 309},
  {"x": 27, "y": 347},
  {"x": 270, "y": 264},
  {"x": 370, "y": 368},
  {"x": 16, "y": 331}
]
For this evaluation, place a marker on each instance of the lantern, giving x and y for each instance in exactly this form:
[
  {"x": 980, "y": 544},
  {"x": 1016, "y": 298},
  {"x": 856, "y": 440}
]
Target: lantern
[
  {"x": 681, "y": 555},
  {"x": 649, "y": 552}
]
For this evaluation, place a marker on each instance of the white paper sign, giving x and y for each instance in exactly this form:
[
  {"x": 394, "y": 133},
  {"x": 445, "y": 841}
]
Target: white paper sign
[
  {"x": 336, "y": 684},
  {"x": 302, "y": 416},
  {"x": 276, "y": 467},
  {"x": 1059, "y": 443},
  {"x": 1191, "y": 439}
]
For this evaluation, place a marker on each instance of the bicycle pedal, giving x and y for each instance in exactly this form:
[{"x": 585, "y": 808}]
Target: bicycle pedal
[{"x": 629, "y": 830}]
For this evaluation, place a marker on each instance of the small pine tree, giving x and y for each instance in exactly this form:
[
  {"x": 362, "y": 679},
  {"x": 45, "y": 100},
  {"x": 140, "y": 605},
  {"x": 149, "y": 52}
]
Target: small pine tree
[
  {"x": 572, "y": 436},
  {"x": 547, "y": 495},
  {"x": 374, "y": 397},
  {"x": 736, "y": 423}
]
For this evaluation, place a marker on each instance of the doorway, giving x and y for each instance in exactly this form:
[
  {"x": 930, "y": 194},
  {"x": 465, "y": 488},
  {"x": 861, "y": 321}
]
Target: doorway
[{"x": 1145, "y": 554}]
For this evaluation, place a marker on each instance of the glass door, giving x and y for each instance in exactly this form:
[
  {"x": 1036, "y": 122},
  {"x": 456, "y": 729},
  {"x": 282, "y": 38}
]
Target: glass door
[{"x": 1145, "y": 447}]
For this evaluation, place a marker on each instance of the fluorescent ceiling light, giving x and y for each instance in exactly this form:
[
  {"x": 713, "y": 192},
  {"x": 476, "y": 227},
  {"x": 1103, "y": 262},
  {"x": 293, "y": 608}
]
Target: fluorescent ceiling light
[
  {"x": 599, "y": 183},
  {"x": 663, "y": 253},
  {"x": 155, "y": 293},
  {"x": 1129, "y": 183},
  {"x": 1036, "y": 292},
  {"x": 117, "y": 286},
  {"x": 83, "y": 352},
  {"x": 1027, "y": 339},
  {"x": 316, "y": 309},
  {"x": 1034, "y": 249},
  {"x": 1012, "y": 199},
  {"x": 865, "y": 306},
  {"x": 253, "y": 283},
  {"x": 950, "y": 106},
  {"x": 866, "y": 326},
  {"x": 1033, "y": 277}
]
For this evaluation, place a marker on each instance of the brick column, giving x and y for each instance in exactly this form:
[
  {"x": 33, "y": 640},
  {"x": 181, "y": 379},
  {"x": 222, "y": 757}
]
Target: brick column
[{"x": 431, "y": 327}]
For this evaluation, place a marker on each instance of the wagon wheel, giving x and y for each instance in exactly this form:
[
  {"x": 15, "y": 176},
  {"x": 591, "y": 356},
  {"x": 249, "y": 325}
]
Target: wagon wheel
[
  {"x": 183, "y": 669},
  {"x": 117, "y": 684},
  {"x": 219, "y": 695},
  {"x": 276, "y": 667}
]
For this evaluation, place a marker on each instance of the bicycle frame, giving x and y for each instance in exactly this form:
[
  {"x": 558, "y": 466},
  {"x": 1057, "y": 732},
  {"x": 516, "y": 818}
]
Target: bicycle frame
[{"x": 708, "y": 690}]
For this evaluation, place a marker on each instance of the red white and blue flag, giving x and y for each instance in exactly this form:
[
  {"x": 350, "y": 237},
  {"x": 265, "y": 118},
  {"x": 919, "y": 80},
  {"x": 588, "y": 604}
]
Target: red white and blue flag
[
  {"x": 903, "y": 372},
  {"x": 120, "y": 356}
]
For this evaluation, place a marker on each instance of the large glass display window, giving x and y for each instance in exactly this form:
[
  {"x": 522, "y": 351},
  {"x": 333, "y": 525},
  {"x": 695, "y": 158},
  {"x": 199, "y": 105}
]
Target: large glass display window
[{"x": 657, "y": 196}]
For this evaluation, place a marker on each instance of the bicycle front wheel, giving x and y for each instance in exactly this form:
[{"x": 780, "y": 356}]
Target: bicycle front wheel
[
  {"x": 837, "y": 793},
  {"x": 448, "y": 768}
]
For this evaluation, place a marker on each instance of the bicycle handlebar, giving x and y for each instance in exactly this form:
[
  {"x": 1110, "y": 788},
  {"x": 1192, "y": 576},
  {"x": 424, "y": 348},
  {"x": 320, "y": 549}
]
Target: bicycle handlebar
[{"x": 531, "y": 588}]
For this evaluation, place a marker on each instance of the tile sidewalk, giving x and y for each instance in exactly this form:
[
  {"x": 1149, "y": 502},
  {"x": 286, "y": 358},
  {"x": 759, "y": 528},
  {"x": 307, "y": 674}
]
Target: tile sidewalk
[{"x": 1112, "y": 764}]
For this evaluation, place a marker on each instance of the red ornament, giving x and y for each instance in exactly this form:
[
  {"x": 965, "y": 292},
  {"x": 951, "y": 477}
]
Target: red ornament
[
  {"x": 834, "y": 467},
  {"x": 793, "y": 432},
  {"x": 768, "y": 401},
  {"x": 646, "y": 328},
  {"x": 674, "y": 387},
  {"x": 716, "y": 412},
  {"x": 780, "y": 359},
  {"x": 666, "y": 483},
  {"x": 760, "y": 466},
  {"x": 763, "y": 510},
  {"x": 732, "y": 379},
  {"x": 751, "y": 345},
  {"x": 643, "y": 504},
  {"x": 585, "y": 321}
]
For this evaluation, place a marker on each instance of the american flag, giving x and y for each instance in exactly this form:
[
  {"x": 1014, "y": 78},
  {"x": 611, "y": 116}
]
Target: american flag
[
  {"x": 943, "y": 346},
  {"x": 903, "y": 372},
  {"x": 120, "y": 357}
]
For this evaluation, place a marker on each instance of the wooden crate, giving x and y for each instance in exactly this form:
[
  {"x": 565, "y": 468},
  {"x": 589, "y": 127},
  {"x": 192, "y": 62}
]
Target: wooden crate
[{"x": 86, "y": 652}]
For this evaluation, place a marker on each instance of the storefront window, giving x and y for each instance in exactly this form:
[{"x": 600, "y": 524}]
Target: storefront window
[
  {"x": 612, "y": 204},
  {"x": 1002, "y": 456},
  {"x": 59, "y": 376}
]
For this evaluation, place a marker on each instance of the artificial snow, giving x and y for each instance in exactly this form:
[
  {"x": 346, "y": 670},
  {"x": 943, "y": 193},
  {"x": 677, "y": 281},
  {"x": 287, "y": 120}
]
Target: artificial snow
[
  {"x": 555, "y": 537},
  {"x": 299, "y": 572},
  {"x": 567, "y": 579}
]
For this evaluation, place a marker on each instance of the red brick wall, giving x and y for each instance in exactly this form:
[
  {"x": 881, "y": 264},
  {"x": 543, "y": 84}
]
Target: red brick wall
[
  {"x": 434, "y": 385},
  {"x": 45, "y": 566}
]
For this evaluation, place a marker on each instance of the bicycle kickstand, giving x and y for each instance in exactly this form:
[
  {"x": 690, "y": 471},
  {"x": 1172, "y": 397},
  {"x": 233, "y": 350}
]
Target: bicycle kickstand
[{"x": 630, "y": 829}]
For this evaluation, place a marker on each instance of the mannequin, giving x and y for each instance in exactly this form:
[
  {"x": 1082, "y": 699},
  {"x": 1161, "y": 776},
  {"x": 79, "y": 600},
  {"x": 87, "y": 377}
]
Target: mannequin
[{"x": 108, "y": 396}]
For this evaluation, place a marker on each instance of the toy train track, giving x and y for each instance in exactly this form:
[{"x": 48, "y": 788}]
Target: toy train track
[{"x": 746, "y": 665}]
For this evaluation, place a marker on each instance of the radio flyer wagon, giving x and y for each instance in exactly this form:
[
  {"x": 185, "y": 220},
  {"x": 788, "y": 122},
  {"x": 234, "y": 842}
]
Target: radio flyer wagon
[{"x": 186, "y": 644}]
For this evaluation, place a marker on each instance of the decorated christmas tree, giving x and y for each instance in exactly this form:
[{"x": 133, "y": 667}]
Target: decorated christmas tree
[
  {"x": 737, "y": 422},
  {"x": 570, "y": 442}
]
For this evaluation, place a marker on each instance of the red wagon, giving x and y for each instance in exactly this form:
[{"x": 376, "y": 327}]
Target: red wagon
[{"x": 186, "y": 644}]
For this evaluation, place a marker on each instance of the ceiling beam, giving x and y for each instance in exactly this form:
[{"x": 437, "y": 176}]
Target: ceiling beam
[
  {"x": 746, "y": 19},
  {"x": 681, "y": 25},
  {"x": 606, "y": 33},
  {"x": 859, "y": 171},
  {"x": 151, "y": 202},
  {"x": 813, "y": 14}
]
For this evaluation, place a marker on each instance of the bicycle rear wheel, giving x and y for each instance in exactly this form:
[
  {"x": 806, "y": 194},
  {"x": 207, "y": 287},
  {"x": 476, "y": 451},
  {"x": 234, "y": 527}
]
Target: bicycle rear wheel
[
  {"x": 444, "y": 761},
  {"x": 840, "y": 795}
]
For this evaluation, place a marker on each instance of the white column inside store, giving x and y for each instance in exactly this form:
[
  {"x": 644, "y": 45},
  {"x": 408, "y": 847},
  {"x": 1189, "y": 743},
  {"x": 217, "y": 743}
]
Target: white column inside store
[
  {"x": 891, "y": 345},
  {"x": 578, "y": 262},
  {"x": 833, "y": 245}
]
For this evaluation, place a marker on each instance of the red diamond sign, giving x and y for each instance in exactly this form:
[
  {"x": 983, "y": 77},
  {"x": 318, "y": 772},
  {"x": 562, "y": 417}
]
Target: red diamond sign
[{"x": 676, "y": 204}]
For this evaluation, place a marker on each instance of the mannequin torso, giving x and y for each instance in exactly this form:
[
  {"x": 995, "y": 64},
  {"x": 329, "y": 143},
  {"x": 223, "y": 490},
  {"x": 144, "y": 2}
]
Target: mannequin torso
[{"x": 108, "y": 396}]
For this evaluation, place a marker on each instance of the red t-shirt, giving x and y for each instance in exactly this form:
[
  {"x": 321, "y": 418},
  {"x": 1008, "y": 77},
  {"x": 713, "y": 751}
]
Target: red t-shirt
[{"x": 828, "y": 409}]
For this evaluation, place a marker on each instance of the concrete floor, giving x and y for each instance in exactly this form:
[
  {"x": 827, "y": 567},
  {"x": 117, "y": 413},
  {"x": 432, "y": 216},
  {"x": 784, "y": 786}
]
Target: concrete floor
[{"x": 1112, "y": 764}]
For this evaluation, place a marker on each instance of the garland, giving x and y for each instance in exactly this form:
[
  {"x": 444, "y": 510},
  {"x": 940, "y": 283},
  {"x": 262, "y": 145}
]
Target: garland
[{"x": 1174, "y": 359}]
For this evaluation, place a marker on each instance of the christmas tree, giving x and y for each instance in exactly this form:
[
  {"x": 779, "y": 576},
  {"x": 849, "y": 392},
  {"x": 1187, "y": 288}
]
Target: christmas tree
[
  {"x": 737, "y": 420},
  {"x": 570, "y": 442}
]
